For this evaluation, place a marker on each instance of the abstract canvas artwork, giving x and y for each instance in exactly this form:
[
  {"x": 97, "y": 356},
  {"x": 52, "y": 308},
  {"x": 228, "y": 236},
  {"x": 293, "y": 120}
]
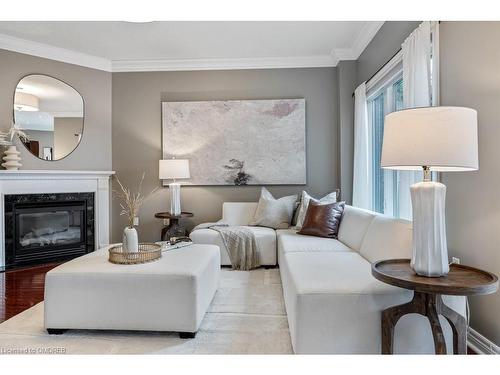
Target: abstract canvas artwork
[{"x": 238, "y": 142}]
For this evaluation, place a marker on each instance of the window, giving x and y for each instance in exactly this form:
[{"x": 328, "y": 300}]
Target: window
[
  {"x": 383, "y": 190},
  {"x": 387, "y": 98}
]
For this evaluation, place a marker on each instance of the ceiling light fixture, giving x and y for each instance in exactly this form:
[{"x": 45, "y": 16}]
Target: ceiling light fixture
[{"x": 26, "y": 102}]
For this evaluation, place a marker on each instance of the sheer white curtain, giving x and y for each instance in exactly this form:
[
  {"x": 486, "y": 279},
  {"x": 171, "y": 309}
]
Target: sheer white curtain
[
  {"x": 417, "y": 92},
  {"x": 416, "y": 51},
  {"x": 362, "y": 184}
]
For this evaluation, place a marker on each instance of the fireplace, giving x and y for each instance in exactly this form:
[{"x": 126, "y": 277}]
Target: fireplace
[{"x": 43, "y": 228}]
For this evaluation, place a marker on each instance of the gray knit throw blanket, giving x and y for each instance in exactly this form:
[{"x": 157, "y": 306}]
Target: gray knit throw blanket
[{"x": 240, "y": 243}]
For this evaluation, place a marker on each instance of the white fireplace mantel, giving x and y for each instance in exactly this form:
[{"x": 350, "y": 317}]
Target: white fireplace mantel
[
  {"x": 59, "y": 181},
  {"x": 52, "y": 174}
]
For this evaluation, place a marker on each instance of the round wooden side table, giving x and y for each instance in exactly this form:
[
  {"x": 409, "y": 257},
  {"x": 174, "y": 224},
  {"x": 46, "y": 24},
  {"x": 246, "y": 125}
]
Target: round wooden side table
[
  {"x": 174, "y": 228},
  {"x": 460, "y": 281}
]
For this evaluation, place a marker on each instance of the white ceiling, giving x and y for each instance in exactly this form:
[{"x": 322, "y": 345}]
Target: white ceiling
[{"x": 127, "y": 46}]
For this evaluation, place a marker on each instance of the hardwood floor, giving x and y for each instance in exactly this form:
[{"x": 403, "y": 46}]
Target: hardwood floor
[{"x": 21, "y": 289}]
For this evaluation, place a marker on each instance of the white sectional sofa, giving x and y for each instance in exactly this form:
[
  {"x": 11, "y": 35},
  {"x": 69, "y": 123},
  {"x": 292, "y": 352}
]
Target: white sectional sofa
[
  {"x": 333, "y": 303},
  {"x": 240, "y": 214}
]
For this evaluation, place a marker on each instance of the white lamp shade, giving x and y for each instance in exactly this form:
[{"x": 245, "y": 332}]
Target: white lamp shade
[
  {"x": 26, "y": 102},
  {"x": 174, "y": 168},
  {"x": 442, "y": 138}
]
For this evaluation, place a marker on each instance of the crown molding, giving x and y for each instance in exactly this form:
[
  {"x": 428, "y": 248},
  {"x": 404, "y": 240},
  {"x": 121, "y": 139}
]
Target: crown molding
[
  {"x": 222, "y": 64},
  {"x": 53, "y": 53},
  {"x": 364, "y": 37}
]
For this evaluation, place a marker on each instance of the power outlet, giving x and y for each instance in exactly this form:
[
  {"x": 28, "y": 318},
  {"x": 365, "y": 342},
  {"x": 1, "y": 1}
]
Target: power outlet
[
  {"x": 455, "y": 260},
  {"x": 165, "y": 222}
]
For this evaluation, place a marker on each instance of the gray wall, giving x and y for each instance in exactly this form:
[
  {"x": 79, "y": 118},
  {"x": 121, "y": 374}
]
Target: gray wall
[
  {"x": 347, "y": 84},
  {"x": 94, "y": 151},
  {"x": 470, "y": 62},
  {"x": 382, "y": 47},
  {"x": 137, "y": 133}
]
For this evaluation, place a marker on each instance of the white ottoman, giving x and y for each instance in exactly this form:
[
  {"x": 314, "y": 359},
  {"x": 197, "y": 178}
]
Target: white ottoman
[{"x": 171, "y": 294}]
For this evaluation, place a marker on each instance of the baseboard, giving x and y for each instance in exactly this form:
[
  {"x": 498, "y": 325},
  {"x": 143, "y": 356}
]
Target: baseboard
[{"x": 480, "y": 344}]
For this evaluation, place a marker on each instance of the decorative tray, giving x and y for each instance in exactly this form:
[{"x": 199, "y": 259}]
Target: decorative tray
[{"x": 148, "y": 252}]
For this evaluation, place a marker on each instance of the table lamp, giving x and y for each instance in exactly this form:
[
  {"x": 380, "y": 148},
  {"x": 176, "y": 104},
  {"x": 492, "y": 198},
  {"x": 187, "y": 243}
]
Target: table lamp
[
  {"x": 173, "y": 169},
  {"x": 430, "y": 139}
]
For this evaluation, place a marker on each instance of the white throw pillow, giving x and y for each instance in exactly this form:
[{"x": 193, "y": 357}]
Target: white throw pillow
[
  {"x": 304, "y": 203},
  {"x": 274, "y": 213}
]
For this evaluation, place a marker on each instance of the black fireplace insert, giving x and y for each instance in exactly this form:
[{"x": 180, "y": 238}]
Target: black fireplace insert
[{"x": 43, "y": 228}]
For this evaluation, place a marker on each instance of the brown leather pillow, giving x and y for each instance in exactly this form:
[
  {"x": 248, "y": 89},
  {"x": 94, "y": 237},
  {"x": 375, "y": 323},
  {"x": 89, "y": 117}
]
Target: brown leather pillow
[{"x": 322, "y": 220}]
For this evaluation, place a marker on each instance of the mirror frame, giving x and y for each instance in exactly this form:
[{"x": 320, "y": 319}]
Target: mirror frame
[{"x": 14, "y": 114}]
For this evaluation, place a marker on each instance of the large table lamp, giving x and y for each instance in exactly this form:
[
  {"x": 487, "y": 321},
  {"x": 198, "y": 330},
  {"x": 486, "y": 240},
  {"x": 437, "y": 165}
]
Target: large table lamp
[
  {"x": 430, "y": 139},
  {"x": 174, "y": 169}
]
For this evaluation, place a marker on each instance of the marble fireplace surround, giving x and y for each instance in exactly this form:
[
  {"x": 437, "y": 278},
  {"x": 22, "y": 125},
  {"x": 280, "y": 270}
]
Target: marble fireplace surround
[{"x": 59, "y": 181}]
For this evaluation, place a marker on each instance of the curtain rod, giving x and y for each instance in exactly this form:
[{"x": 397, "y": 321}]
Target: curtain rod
[{"x": 379, "y": 69}]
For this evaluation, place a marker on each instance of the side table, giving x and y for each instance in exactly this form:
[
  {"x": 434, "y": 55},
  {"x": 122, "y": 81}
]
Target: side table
[
  {"x": 460, "y": 281},
  {"x": 174, "y": 228}
]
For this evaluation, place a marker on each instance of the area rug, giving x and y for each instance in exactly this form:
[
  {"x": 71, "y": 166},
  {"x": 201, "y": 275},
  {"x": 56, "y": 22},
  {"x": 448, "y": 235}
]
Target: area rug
[{"x": 247, "y": 316}]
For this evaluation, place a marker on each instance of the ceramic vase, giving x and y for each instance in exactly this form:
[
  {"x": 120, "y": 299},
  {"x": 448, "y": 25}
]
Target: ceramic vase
[
  {"x": 130, "y": 241},
  {"x": 12, "y": 161}
]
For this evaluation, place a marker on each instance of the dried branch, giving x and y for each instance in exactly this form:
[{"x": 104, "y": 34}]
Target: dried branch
[
  {"x": 132, "y": 202},
  {"x": 7, "y": 138}
]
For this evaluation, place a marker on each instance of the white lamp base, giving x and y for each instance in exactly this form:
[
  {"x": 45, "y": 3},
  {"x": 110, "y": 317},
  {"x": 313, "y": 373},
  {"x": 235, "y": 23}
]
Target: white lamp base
[
  {"x": 175, "y": 198},
  {"x": 430, "y": 251}
]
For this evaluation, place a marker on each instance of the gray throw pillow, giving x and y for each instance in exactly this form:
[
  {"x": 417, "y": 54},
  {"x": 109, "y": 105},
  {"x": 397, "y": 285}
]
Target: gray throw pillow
[
  {"x": 304, "y": 203},
  {"x": 274, "y": 213}
]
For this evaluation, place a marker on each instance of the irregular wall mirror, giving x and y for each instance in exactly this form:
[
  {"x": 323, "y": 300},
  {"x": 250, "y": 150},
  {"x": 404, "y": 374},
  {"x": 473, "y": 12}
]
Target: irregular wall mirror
[{"x": 51, "y": 114}]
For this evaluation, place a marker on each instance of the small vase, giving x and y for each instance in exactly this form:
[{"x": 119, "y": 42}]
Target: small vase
[
  {"x": 130, "y": 241},
  {"x": 12, "y": 159}
]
